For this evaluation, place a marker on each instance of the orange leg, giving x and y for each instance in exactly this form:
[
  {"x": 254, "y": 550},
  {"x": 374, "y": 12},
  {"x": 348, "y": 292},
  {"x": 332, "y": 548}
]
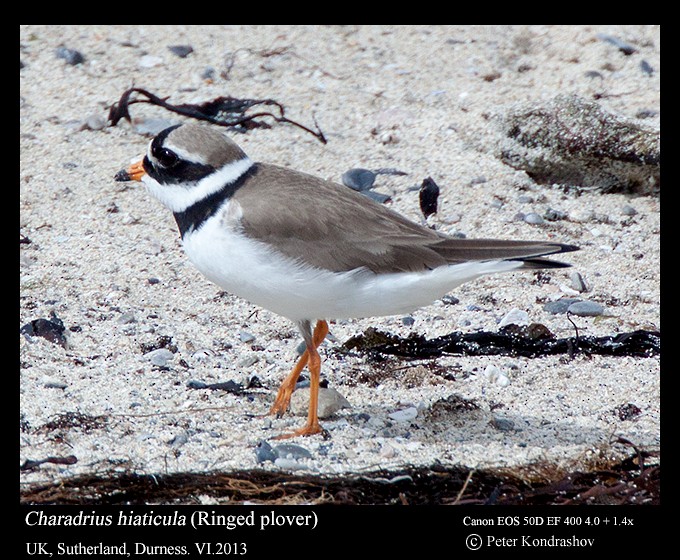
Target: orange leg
[
  {"x": 288, "y": 386},
  {"x": 312, "y": 360}
]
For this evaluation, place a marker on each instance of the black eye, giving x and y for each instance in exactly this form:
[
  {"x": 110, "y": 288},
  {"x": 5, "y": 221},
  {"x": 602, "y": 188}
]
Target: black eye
[{"x": 167, "y": 158}]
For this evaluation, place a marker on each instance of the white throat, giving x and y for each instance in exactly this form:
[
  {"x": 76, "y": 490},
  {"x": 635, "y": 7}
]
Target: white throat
[{"x": 179, "y": 197}]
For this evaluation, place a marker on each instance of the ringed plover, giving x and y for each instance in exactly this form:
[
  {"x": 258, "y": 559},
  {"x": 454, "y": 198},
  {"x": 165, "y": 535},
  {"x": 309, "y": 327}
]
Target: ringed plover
[{"x": 306, "y": 248}]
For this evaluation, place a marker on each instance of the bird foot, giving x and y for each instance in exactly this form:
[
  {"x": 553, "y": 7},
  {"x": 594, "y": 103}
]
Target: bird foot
[{"x": 308, "y": 429}]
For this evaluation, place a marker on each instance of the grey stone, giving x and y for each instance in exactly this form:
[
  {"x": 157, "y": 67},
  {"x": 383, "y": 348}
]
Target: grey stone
[
  {"x": 514, "y": 317},
  {"x": 575, "y": 142},
  {"x": 358, "y": 179},
  {"x": 533, "y": 218},
  {"x": 560, "y": 305},
  {"x": 291, "y": 451},
  {"x": 264, "y": 452},
  {"x": 404, "y": 415},
  {"x": 577, "y": 282},
  {"x": 159, "y": 357},
  {"x": 586, "y": 309},
  {"x": 330, "y": 402},
  {"x": 71, "y": 56},
  {"x": 502, "y": 424},
  {"x": 245, "y": 336}
]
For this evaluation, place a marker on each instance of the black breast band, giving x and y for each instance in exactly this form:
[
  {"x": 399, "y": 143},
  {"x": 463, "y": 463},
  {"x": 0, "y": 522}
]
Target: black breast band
[{"x": 193, "y": 217}]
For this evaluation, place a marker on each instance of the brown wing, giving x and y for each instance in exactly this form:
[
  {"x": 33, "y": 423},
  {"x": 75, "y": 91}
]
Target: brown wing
[{"x": 335, "y": 228}]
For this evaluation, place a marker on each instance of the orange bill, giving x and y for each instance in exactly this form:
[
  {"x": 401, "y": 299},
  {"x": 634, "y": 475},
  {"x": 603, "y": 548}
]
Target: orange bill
[{"x": 136, "y": 171}]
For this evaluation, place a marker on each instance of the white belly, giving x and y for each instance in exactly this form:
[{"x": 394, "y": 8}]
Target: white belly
[{"x": 252, "y": 271}]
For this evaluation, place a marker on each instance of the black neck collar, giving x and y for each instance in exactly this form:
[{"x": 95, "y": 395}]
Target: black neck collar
[{"x": 195, "y": 216}]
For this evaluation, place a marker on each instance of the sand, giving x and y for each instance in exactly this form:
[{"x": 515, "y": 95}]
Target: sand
[{"x": 423, "y": 100}]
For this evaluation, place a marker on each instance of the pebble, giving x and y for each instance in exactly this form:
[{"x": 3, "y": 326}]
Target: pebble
[
  {"x": 452, "y": 218},
  {"x": 179, "y": 440},
  {"x": 625, "y": 48},
  {"x": 330, "y": 402},
  {"x": 196, "y": 384},
  {"x": 559, "y": 306},
  {"x": 181, "y": 51},
  {"x": 578, "y": 283},
  {"x": 646, "y": 67},
  {"x": 514, "y": 317},
  {"x": 450, "y": 300},
  {"x": 628, "y": 210},
  {"x": 594, "y": 74},
  {"x": 502, "y": 424},
  {"x": 202, "y": 355},
  {"x": 387, "y": 451},
  {"x": 254, "y": 382},
  {"x": 291, "y": 451},
  {"x": 149, "y": 61},
  {"x": 159, "y": 357},
  {"x": 646, "y": 113},
  {"x": 54, "y": 384},
  {"x": 51, "y": 329},
  {"x": 627, "y": 411},
  {"x": 71, "y": 56},
  {"x": 229, "y": 386},
  {"x": 208, "y": 73},
  {"x": 363, "y": 416},
  {"x": 581, "y": 215},
  {"x": 378, "y": 197},
  {"x": 264, "y": 452},
  {"x": 496, "y": 376},
  {"x": 586, "y": 309},
  {"x": 404, "y": 415},
  {"x": 553, "y": 215},
  {"x": 358, "y": 179},
  {"x": 375, "y": 423},
  {"x": 408, "y": 320},
  {"x": 94, "y": 122},
  {"x": 245, "y": 336},
  {"x": 249, "y": 361},
  {"x": 389, "y": 137},
  {"x": 127, "y": 318},
  {"x": 533, "y": 218}
]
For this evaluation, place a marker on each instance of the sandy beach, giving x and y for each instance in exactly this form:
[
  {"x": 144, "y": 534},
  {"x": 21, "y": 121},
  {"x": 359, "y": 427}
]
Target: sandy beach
[{"x": 105, "y": 258}]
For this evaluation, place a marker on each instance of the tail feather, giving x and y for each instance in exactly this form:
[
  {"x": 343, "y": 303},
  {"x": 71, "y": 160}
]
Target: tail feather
[
  {"x": 538, "y": 262},
  {"x": 542, "y": 263},
  {"x": 530, "y": 252}
]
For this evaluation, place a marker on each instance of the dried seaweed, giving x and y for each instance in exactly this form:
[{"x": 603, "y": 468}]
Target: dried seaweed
[
  {"x": 511, "y": 342},
  {"x": 428, "y": 195},
  {"x": 616, "y": 483},
  {"x": 222, "y": 111}
]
